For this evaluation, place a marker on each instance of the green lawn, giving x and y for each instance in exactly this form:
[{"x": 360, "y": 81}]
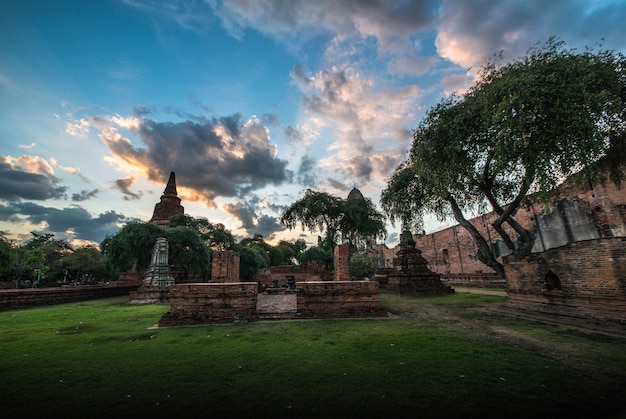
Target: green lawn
[{"x": 439, "y": 357}]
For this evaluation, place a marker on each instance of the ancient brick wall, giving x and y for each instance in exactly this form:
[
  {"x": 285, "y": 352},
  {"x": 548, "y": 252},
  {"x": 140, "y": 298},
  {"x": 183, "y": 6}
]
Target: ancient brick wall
[
  {"x": 342, "y": 262},
  {"x": 585, "y": 279},
  {"x": 225, "y": 266},
  {"x": 313, "y": 271},
  {"x": 337, "y": 299},
  {"x": 210, "y": 303},
  {"x": 34, "y": 297}
]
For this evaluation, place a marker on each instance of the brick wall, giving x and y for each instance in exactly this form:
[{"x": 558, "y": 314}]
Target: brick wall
[
  {"x": 34, "y": 297},
  {"x": 342, "y": 262},
  {"x": 225, "y": 266},
  {"x": 210, "y": 303},
  {"x": 337, "y": 299},
  {"x": 585, "y": 279},
  {"x": 313, "y": 271}
]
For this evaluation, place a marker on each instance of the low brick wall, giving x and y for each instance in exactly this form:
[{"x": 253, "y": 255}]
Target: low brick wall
[
  {"x": 35, "y": 297},
  {"x": 482, "y": 280},
  {"x": 210, "y": 303},
  {"x": 316, "y": 270},
  {"x": 585, "y": 279},
  {"x": 336, "y": 299}
]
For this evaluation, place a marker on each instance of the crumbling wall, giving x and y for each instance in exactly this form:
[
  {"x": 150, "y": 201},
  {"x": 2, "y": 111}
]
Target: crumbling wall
[
  {"x": 316, "y": 270},
  {"x": 342, "y": 262},
  {"x": 585, "y": 279},
  {"x": 337, "y": 299},
  {"x": 210, "y": 303},
  {"x": 225, "y": 266}
]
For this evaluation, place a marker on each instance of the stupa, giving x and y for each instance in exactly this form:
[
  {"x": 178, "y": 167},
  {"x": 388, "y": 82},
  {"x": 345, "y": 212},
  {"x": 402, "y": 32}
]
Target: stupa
[
  {"x": 169, "y": 205},
  {"x": 411, "y": 275}
]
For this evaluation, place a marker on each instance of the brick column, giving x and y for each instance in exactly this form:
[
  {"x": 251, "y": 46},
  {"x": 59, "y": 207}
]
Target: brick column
[
  {"x": 225, "y": 266},
  {"x": 342, "y": 262}
]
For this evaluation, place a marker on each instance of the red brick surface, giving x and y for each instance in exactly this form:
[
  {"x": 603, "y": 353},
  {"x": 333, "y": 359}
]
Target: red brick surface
[
  {"x": 210, "y": 303},
  {"x": 591, "y": 276},
  {"x": 336, "y": 299}
]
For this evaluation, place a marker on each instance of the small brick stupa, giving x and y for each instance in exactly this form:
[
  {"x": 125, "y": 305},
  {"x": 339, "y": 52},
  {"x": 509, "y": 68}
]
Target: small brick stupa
[
  {"x": 411, "y": 275},
  {"x": 169, "y": 205}
]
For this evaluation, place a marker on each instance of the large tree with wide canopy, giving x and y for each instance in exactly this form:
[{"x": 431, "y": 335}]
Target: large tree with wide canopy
[{"x": 521, "y": 129}]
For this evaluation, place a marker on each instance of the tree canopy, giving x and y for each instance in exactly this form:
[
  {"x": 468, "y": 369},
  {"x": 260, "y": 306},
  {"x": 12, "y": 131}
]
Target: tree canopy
[
  {"x": 521, "y": 129},
  {"x": 355, "y": 220},
  {"x": 132, "y": 246}
]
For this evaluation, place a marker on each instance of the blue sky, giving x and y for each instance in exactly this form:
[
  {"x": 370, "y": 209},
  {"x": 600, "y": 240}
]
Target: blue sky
[{"x": 250, "y": 102}]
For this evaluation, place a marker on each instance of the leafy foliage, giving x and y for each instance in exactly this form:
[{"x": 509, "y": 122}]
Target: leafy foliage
[
  {"x": 362, "y": 266},
  {"x": 132, "y": 248},
  {"x": 354, "y": 220},
  {"x": 522, "y": 129}
]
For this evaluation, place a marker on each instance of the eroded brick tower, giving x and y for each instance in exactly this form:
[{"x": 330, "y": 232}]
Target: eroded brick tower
[{"x": 169, "y": 205}]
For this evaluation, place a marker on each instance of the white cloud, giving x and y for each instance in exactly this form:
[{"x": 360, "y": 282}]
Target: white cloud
[{"x": 78, "y": 128}]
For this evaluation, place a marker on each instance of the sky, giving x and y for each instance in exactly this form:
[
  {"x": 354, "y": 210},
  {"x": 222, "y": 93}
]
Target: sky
[{"x": 249, "y": 102}]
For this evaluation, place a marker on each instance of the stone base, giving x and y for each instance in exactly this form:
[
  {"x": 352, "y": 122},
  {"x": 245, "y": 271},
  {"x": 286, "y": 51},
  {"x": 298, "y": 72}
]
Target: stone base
[
  {"x": 573, "y": 309},
  {"x": 210, "y": 303},
  {"x": 338, "y": 299},
  {"x": 410, "y": 284}
]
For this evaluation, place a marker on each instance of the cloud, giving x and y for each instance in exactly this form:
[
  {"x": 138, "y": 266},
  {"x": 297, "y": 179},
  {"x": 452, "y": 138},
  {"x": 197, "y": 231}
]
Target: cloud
[
  {"x": 68, "y": 223},
  {"x": 124, "y": 186},
  {"x": 79, "y": 128},
  {"x": 227, "y": 156},
  {"x": 28, "y": 177},
  {"x": 85, "y": 195},
  {"x": 385, "y": 20},
  {"x": 366, "y": 118},
  {"x": 191, "y": 15},
  {"x": 469, "y": 33},
  {"x": 306, "y": 171},
  {"x": 252, "y": 222}
]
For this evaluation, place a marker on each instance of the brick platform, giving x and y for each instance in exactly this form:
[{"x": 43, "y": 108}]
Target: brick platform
[
  {"x": 210, "y": 303},
  {"x": 338, "y": 299}
]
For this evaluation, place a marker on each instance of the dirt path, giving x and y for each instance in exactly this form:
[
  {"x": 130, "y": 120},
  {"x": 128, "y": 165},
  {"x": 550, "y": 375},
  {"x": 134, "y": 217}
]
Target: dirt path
[{"x": 562, "y": 352}]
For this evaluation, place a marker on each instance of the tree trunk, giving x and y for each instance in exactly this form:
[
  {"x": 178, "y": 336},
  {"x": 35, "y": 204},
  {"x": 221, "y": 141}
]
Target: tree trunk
[
  {"x": 527, "y": 237},
  {"x": 484, "y": 250}
]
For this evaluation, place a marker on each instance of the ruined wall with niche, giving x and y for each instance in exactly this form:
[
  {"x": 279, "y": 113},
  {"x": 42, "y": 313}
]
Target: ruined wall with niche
[{"x": 585, "y": 279}]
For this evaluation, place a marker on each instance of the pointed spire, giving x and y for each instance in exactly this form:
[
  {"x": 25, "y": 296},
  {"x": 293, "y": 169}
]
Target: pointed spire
[{"x": 170, "y": 189}]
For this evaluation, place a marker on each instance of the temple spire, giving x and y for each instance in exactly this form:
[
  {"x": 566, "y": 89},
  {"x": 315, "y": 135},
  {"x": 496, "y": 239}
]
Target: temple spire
[
  {"x": 170, "y": 189},
  {"x": 169, "y": 205}
]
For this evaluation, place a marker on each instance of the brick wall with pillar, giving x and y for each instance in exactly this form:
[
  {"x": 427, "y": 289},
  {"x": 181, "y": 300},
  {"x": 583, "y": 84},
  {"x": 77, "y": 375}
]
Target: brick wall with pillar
[{"x": 342, "y": 262}]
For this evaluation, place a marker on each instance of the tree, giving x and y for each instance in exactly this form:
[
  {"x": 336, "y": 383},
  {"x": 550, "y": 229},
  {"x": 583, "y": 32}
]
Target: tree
[
  {"x": 316, "y": 211},
  {"x": 316, "y": 253},
  {"x": 251, "y": 259},
  {"x": 85, "y": 261},
  {"x": 522, "y": 129},
  {"x": 362, "y": 266},
  {"x": 187, "y": 251},
  {"x": 54, "y": 252},
  {"x": 132, "y": 248},
  {"x": 6, "y": 249},
  {"x": 215, "y": 235},
  {"x": 353, "y": 219}
]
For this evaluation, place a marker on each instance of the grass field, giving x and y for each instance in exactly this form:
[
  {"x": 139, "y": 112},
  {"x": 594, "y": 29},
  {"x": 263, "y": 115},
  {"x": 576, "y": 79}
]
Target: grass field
[{"x": 435, "y": 358}]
